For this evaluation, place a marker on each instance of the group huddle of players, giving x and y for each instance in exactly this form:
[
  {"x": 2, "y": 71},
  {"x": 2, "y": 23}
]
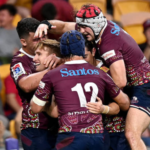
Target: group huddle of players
[{"x": 96, "y": 81}]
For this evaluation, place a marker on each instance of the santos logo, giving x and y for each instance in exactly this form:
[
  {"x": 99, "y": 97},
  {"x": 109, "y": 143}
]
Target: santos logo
[{"x": 65, "y": 72}]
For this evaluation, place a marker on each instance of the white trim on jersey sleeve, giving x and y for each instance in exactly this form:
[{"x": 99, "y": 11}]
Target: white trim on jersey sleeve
[
  {"x": 108, "y": 54},
  {"x": 38, "y": 101}
]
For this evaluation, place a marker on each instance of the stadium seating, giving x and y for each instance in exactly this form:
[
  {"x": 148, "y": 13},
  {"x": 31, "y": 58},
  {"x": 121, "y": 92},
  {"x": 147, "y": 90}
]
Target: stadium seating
[
  {"x": 132, "y": 24},
  {"x": 12, "y": 128},
  {"x": 121, "y": 7},
  {"x": 4, "y": 72},
  {"x": 16, "y": 20},
  {"x": 77, "y": 4},
  {"x": 24, "y": 3}
]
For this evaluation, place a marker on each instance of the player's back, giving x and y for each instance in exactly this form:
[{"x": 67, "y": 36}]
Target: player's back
[{"x": 74, "y": 84}]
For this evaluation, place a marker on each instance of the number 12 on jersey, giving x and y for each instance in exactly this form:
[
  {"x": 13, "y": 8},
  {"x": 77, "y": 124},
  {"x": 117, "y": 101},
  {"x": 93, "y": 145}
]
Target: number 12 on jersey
[{"x": 79, "y": 89}]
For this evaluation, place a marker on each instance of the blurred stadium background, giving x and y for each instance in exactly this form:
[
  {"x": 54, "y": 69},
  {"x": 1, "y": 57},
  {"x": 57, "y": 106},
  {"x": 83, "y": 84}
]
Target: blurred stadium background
[{"x": 129, "y": 14}]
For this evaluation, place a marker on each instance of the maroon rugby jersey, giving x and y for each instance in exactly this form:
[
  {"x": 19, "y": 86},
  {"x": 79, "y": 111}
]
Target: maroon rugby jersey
[
  {"x": 22, "y": 65},
  {"x": 74, "y": 84},
  {"x": 113, "y": 123},
  {"x": 116, "y": 44}
]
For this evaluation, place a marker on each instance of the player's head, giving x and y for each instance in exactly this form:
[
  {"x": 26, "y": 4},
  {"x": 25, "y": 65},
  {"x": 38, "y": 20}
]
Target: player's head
[
  {"x": 26, "y": 29},
  {"x": 90, "y": 52},
  {"x": 72, "y": 43},
  {"x": 7, "y": 13},
  {"x": 43, "y": 50},
  {"x": 91, "y": 21},
  {"x": 146, "y": 26},
  {"x": 48, "y": 11}
]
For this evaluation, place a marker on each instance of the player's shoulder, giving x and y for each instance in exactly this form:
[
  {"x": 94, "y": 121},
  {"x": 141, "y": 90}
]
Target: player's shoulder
[
  {"x": 105, "y": 69},
  {"x": 19, "y": 57},
  {"x": 104, "y": 72}
]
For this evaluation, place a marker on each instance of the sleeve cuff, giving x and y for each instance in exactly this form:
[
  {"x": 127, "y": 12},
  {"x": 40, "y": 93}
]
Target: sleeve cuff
[{"x": 38, "y": 101}]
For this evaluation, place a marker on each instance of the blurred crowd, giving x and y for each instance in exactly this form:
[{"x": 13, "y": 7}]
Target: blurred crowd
[{"x": 12, "y": 11}]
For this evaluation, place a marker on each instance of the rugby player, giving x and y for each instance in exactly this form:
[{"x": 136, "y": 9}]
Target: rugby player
[
  {"x": 114, "y": 124},
  {"x": 124, "y": 58},
  {"x": 74, "y": 84},
  {"x": 34, "y": 128},
  {"x": 44, "y": 49}
]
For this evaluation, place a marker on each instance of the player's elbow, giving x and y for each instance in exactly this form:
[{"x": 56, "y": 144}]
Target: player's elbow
[
  {"x": 122, "y": 83},
  {"x": 25, "y": 88},
  {"x": 125, "y": 104},
  {"x": 123, "y": 101},
  {"x": 24, "y": 85}
]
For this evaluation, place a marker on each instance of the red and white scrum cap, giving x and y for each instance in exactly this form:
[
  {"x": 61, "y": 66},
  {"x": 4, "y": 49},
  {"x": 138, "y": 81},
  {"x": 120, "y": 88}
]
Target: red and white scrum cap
[{"x": 91, "y": 16}]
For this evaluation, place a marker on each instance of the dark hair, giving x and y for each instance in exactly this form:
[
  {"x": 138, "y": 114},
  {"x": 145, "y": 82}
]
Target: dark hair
[
  {"x": 11, "y": 9},
  {"x": 27, "y": 25},
  {"x": 90, "y": 45},
  {"x": 48, "y": 11}
]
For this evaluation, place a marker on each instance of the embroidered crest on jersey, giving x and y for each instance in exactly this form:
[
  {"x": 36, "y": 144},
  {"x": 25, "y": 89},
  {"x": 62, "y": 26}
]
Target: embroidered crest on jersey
[
  {"x": 105, "y": 69},
  {"x": 18, "y": 70},
  {"x": 42, "y": 85},
  {"x": 20, "y": 55},
  {"x": 108, "y": 54}
]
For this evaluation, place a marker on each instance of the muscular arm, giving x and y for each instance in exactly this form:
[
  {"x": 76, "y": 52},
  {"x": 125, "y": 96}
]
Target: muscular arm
[
  {"x": 118, "y": 73},
  {"x": 61, "y": 27},
  {"x": 30, "y": 83},
  {"x": 114, "y": 109},
  {"x": 123, "y": 101},
  {"x": 51, "y": 109},
  {"x": 58, "y": 27}
]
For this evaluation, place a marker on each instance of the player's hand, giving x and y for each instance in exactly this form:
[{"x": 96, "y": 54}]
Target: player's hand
[
  {"x": 42, "y": 29},
  {"x": 51, "y": 61},
  {"x": 95, "y": 107}
]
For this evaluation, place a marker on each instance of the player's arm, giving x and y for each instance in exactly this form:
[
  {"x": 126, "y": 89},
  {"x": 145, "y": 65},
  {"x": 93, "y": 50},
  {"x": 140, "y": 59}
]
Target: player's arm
[
  {"x": 42, "y": 96},
  {"x": 51, "y": 109},
  {"x": 116, "y": 93},
  {"x": 58, "y": 27},
  {"x": 37, "y": 105},
  {"x": 118, "y": 73},
  {"x": 99, "y": 108},
  {"x": 30, "y": 82},
  {"x": 122, "y": 100}
]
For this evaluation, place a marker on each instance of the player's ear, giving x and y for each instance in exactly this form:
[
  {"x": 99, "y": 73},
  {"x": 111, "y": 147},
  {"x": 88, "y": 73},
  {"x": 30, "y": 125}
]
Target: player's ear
[
  {"x": 23, "y": 42},
  {"x": 93, "y": 51}
]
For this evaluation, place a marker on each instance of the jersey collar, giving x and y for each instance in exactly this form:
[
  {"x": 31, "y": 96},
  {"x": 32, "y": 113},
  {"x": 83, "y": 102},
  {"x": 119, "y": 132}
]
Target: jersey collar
[
  {"x": 76, "y": 62},
  {"x": 22, "y": 51},
  {"x": 99, "y": 64}
]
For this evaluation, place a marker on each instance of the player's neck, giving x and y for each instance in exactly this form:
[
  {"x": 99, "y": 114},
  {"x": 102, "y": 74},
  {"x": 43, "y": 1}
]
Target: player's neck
[
  {"x": 28, "y": 51},
  {"x": 74, "y": 58}
]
